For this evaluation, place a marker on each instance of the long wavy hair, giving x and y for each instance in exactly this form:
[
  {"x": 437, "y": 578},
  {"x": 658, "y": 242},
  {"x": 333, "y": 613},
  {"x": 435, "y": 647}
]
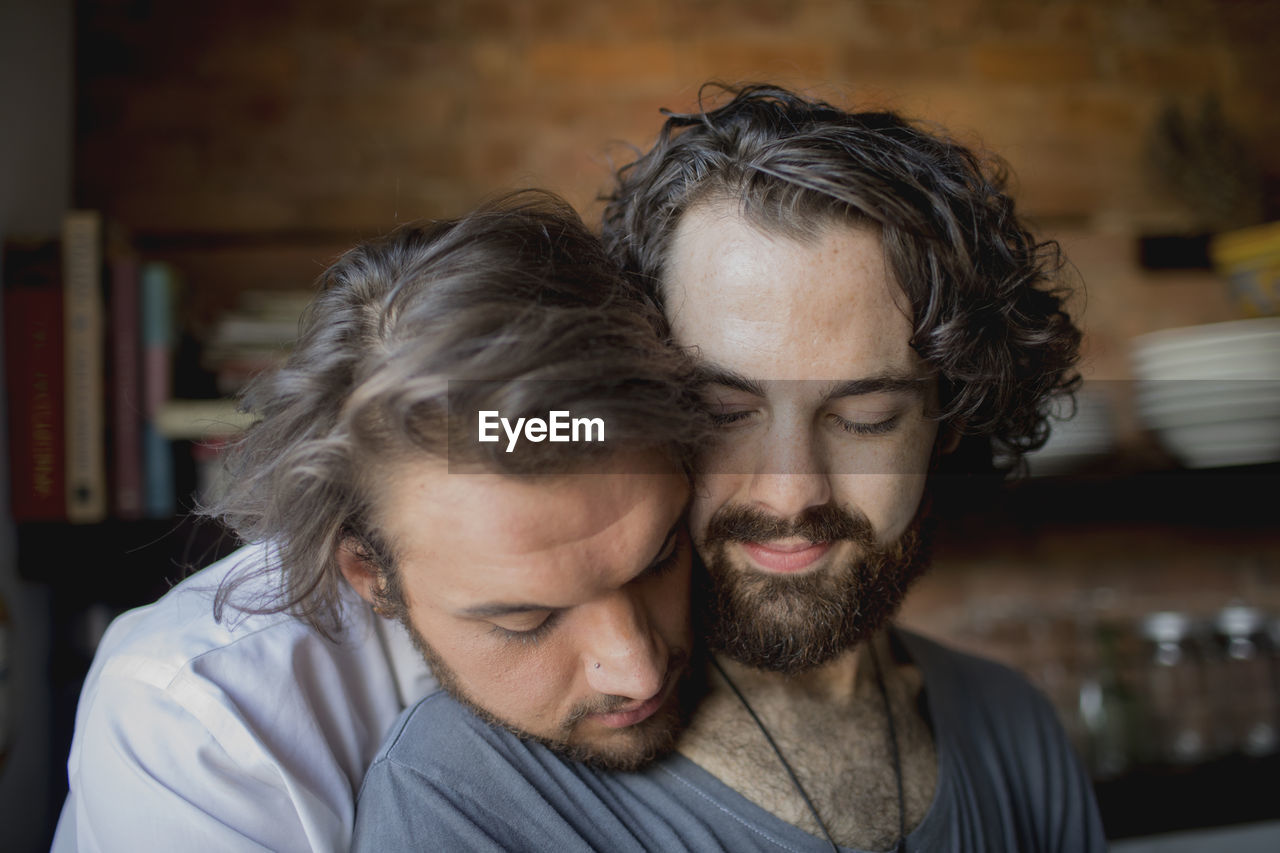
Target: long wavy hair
[
  {"x": 514, "y": 308},
  {"x": 987, "y": 297}
]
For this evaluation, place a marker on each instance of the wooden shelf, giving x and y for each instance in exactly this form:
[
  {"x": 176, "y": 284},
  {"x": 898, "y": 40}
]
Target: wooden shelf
[
  {"x": 1227, "y": 498},
  {"x": 1225, "y": 792},
  {"x": 118, "y": 563}
]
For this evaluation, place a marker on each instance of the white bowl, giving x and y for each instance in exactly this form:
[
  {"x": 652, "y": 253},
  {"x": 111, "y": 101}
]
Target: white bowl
[
  {"x": 1210, "y": 445},
  {"x": 1262, "y": 332},
  {"x": 1212, "y": 392},
  {"x": 1168, "y": 404},
  {"x": 1240, "y": 349}
]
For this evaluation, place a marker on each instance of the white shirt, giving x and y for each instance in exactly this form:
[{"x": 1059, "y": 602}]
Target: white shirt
[{"x": 252, "y": 734}]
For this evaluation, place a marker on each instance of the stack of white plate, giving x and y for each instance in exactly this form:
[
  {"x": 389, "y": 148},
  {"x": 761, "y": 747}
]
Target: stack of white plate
[{"x": 1212, "y": 393}]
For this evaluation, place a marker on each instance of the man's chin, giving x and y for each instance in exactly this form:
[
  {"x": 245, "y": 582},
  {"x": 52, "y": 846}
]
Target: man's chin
[
  {"x": 791, "y": 623},
  {"x": 781, "y": 632},
  {"x": 626, "y": 749},
  {"x": 614, "y": 749},
  {"x": 598, "y": 745}
]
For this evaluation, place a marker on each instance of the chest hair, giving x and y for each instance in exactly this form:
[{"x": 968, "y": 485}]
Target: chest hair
[{"x": 838, "y": 746}]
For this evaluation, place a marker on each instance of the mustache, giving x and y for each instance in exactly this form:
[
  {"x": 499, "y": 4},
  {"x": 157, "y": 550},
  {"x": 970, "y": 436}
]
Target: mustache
[
  {"x": 824, "y": 523},
  {"x": 608, "y": 704}
]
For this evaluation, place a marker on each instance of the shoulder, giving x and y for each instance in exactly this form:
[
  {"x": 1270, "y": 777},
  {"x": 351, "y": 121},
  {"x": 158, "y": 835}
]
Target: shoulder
[
  {"x": 182, "y": 622},
  {"x": 234, "y": 720},
  {"x": 988, "y": 712},
  {"x": 180, "y": 631},
  {"x": 970, "y": 681},
  {"x": 448, "y": 761},
  {"x": 176, "y": 652},
  {"x": 1001, "y": 743},
  {"x": 172, "y": 645},
  {"x": 440, "y": 741},
  {"x": 448, "y": 780}
]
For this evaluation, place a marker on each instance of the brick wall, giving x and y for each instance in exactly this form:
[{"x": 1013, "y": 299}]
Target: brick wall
[{"x": 333, "y": 116}]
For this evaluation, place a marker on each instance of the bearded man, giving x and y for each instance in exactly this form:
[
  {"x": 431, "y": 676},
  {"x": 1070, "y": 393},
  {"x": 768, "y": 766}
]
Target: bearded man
[{"x": 864, "y": 308}]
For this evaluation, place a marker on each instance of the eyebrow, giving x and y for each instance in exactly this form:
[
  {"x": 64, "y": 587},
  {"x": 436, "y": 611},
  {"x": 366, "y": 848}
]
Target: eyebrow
[
  {"x": 498, "y": 608},
  {"x": 714, "y": 374},
  {"x": 875, "y": 385}
]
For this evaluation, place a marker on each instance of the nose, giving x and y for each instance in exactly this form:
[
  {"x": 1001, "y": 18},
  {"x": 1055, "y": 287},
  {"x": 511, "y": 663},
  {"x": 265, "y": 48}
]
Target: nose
[
  {"x": 623, "y": 655},
  {"x": 790, "y": 474}
]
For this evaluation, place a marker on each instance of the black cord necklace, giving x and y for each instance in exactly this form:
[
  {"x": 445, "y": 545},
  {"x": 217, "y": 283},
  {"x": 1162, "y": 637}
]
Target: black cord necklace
[
  {"x": 901, "y": 846},
  {"x": 795, "y": 780}
]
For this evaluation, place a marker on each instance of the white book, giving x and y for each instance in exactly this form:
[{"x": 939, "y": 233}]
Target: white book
[{"x": 85, "y": 356}]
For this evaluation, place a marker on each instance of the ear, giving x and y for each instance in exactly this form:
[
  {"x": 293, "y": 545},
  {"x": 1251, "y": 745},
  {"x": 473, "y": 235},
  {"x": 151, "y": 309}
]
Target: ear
[
  {"x": 357, "y": 568},
  {"x": 947, "y": 441}
]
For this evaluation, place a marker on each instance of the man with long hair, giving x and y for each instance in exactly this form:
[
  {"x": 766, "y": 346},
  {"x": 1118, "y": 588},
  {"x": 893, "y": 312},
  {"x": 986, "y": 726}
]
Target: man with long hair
[{"x": 543, "y": 571}]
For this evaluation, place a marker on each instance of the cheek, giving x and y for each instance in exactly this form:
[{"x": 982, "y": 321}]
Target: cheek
[
  {"x": 733, "y": 452},
  {"x": 724, "y": 471},
  {"x": 888, "y": 489},
  {"x": 528, "y": 686},
  {"x": 668, "y": 605},
  {"x": 710, "y": 493},
  {"x": 725, "y": 468},
  {"x": 889, "y": 501},
  {"x": 531, "y": 689}
]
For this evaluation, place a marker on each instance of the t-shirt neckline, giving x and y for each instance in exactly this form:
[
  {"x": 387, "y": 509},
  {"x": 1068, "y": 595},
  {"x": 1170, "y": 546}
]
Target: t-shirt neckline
[{"x": 928, "y": 835}]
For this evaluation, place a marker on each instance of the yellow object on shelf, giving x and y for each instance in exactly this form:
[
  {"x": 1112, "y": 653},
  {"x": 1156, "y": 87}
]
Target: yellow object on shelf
[{"x": 1250, "y": 259}]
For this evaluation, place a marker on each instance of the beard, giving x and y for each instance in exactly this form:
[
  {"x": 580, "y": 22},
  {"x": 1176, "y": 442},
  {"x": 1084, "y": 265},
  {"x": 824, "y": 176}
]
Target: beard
[
  {"x": 626, "y": 749},
  {"x": 794, "y": 623}
]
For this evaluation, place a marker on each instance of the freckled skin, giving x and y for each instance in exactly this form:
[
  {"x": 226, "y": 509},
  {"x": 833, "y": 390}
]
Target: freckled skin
[{"x": 798, "y": 318}]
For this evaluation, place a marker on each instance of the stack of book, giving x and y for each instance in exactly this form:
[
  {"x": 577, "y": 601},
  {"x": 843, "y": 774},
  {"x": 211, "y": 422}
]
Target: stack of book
[
  {"x": 90, "y": 336},
  {"x": 254, "y": 336}
]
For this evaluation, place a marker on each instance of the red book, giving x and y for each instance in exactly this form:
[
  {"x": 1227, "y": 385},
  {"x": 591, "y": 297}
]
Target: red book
[{"x": 35, "y": 381}]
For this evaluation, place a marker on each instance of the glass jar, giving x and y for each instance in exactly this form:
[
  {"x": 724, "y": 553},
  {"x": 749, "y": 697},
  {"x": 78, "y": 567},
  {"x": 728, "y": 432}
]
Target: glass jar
[
  {"x": 1242, "y": 680},
  {"x": 1176, "y": 701},
  {"x": 1107, "y": 701}
]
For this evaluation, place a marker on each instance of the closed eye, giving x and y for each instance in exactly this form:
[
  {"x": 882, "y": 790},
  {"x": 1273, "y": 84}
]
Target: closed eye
[
  {"x": 668, "y": 558},
  {"x": 728, "y": 419},
  {"x": 729, "y": 403},
  {"x": 865, "y": 428},
  {"x": 528, "y": 636}
]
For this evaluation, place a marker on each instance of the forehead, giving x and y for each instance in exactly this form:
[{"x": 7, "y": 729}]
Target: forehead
[
  {"x": 773, "y": 307},
  {"x": 486, "y": 536}
]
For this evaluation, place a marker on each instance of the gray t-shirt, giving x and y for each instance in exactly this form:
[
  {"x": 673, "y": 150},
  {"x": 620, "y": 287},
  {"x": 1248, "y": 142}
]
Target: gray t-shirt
[{"x": 444, "y": 780}]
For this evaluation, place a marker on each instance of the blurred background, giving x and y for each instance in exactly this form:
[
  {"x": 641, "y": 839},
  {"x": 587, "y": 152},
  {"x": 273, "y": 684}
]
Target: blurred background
[{"x": 174, "y": 175}]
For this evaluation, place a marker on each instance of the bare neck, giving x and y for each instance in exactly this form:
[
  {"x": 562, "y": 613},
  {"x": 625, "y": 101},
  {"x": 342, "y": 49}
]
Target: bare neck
[{"x": 829, "y": 724}]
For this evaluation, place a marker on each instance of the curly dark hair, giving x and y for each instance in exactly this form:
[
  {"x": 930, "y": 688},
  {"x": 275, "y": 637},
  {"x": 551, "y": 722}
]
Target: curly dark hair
[
  {"x": 987, "y": 296},
  {"x": 514, "y": 308}
]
